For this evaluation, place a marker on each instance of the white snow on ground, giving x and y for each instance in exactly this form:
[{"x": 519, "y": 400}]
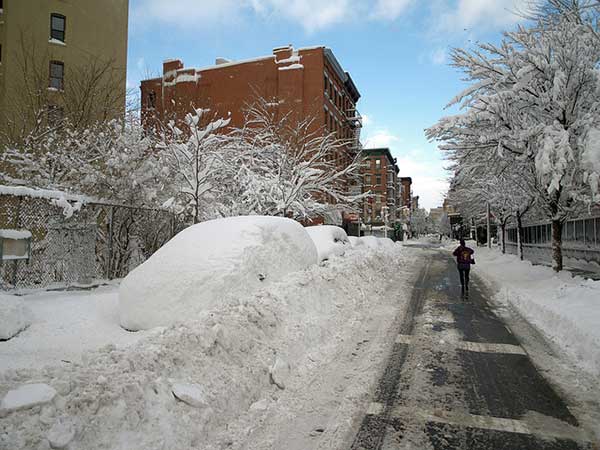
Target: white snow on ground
[
  {"x": 261, "y": 370},
  {"x": 565, "y": 308},
  {"x": 206, "y": 263},
  {"x": 355, "y": 241},
  {"x": 63, "y": 326},
  {"x": 329, "y": 240},
  {"x": 14, "y": 316}
]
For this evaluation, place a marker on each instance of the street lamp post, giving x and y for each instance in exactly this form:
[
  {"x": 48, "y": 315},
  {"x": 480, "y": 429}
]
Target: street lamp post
[{"x": 384, "y": 213}]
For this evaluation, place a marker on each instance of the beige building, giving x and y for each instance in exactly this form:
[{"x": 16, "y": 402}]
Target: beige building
[{"x": 61, "y": 58}]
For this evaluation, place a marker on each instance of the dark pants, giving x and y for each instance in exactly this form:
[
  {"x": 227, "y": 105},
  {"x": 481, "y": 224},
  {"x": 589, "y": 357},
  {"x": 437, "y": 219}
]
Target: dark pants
[{"x": 463, "y": 272}]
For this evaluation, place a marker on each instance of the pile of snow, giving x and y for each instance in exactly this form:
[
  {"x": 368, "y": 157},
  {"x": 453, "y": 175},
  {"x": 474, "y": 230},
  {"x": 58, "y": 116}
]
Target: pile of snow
[
  {"x": 329, "y": 240},
  {"x": 371, "y": 242},
  {"x": 14, "y": 316},
  {"x": 235, "y": 377},
  {"x": 207, "y": 263},
  {"x": 386, "y": 242},
  {"x": 565, "y": 308},
  {"x": 356, "y": 241},
  {"x": 26, "y": 396}
]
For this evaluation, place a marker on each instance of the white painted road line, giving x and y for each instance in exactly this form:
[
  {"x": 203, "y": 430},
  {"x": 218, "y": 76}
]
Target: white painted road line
[
  {"x": 466, "y": 420},
  {"x": 481, "y": 347},
  {"x": 478, "y": 347}
]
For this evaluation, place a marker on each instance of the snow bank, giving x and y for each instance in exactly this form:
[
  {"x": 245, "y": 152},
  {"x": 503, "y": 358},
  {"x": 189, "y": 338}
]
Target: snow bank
[
  {"x": 14, "y": 316},
  {"x": 212, "y": 381},
  {"x": 565, "y": 308},
  {"x": 371, "y": 242},
  {"x": 205, "y": 264},
  {"x": 355, "y": 241},
  {"x": 386, "y": 242},
  {"x": 329, "y": 240}
]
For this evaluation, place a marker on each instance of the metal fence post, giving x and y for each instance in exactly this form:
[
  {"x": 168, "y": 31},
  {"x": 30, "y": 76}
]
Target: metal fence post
[{"x": 109, "y": 242}]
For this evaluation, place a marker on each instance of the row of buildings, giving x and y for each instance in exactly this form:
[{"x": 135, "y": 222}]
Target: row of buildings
[{"x": 64, "y": 41}]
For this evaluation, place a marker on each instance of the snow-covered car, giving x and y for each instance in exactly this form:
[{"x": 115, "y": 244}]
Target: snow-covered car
[
  {"x": 329, "y": 240},
  {"x": 207, "y": 263}
]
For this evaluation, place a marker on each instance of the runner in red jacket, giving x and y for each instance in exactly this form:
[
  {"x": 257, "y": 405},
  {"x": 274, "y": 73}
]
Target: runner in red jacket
[{"x": 464, "y": 259}]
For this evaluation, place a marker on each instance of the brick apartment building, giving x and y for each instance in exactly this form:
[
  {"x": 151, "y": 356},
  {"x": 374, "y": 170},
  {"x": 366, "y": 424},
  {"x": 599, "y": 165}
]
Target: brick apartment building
[
  {"x": 301, "y": 83},
  {"x": 380, "y": 177}
]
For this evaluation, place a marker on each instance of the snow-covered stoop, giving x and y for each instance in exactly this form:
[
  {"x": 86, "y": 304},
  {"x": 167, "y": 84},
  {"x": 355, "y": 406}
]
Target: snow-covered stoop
[{"x": 275, "y": 369}]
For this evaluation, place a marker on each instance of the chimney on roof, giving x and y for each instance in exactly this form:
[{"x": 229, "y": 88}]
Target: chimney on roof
[
  {"x": 170, "y": 65},
  {"x": 282, "y": 53}
]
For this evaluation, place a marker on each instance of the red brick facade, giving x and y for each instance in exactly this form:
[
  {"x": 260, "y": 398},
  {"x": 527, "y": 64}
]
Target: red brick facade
[
  {"x": 380, "y": 177},
  {"x": 303, "y": 83},
  {"x": 306, "y": 83}
]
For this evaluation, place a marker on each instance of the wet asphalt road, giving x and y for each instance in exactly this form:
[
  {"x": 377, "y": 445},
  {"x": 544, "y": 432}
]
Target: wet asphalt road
[{"x": 457, "y": 378}]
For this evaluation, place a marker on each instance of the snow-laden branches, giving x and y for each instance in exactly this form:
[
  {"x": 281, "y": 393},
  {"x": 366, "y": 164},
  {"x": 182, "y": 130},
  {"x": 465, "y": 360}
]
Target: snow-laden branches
[
  {"x": 534, "y": 103},
  {"x": 287, "y": 167}
]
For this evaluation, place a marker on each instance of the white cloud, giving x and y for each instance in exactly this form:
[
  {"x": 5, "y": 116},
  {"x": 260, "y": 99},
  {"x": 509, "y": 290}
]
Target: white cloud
[
  {"x": 381, "y": 139},
  {"x": 188, "y": 12},
  {"x": 390, "y": 9},
  {"x": 480, "y": 14},
  {"x": 428, "y": 176},
  {"x": 312, "y": 15}
]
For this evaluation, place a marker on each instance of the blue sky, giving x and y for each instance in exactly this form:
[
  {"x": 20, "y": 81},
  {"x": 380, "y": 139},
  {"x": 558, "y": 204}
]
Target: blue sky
[{"x": 395, "y": 50}]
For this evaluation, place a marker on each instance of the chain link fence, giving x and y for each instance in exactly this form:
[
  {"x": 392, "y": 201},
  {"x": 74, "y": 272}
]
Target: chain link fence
[{"x": 78, "y": 244}]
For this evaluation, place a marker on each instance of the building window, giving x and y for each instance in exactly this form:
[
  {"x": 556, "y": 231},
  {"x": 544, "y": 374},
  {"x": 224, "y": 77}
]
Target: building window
[
  {"x": 152, "y": 100},
  {"x": 57, "y": 74},
  {"x": 326, "y": 83},
  {"x": 378, "y": 180},
  {"x": 58, "y": 24},
  {"x": 378, "y": 164}
]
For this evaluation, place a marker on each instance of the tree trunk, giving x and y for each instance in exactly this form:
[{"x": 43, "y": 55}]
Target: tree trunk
[
  {"x": 557, "y": 258},
  {"x": 503, "y": 236},
  {"x": 520, "y": 237}
]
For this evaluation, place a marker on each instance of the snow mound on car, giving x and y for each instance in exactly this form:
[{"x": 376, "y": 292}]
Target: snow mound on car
[
  {"x": 371, "y": 242},
  {"x": 207, "y": 263},
  {"x": 329, "y": 240},
  {"x": 356, "y": 241}
]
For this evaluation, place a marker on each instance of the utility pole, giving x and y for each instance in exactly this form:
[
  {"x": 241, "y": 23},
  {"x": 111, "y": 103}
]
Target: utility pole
[{"x": 487, "y": 219}]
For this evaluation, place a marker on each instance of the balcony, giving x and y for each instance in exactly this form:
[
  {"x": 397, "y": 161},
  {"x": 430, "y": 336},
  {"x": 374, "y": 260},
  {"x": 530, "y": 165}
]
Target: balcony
[{"x": 354, "y": 117}]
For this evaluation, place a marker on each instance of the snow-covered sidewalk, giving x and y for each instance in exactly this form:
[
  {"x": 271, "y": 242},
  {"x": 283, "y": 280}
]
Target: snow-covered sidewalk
[
  {"x": 64, "y": 326},
  {"x": 292, "y": 363},
  {"x": 564, "y": 308}
]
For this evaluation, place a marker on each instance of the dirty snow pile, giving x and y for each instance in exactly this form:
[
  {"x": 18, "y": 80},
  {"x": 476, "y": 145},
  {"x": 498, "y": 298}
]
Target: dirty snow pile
[
  {"x": 565, "y": 308},
  {"x": 237, "y": 374}
]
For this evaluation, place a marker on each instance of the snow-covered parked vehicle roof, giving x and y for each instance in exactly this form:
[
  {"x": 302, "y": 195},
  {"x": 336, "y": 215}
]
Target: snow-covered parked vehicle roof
[
  {"x": 208, "y": 262},
  {"x": 329, "y": 240}
]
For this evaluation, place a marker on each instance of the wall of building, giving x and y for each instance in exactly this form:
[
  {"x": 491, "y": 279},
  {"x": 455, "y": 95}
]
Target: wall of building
[
  {"x": 95, "y": 31},
  {"x": 380, "y": 177}
]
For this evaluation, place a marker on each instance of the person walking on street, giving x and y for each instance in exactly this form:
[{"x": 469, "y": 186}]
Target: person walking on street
[{"x": 464, "y": 259}]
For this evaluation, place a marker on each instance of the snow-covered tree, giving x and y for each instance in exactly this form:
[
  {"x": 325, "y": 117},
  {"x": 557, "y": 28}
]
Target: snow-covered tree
[
  {"x": 536, "y": 96},
  {"x": 192, "y": 156},
  {"x": 288, "y": 167}
]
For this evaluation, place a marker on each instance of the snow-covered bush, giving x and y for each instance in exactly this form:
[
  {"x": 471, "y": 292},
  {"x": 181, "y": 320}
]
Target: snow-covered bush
[
  {"x": 14, "y": 316},
  {"x": 329, "y": 240},
  {"x": 206, "y": 263}
]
